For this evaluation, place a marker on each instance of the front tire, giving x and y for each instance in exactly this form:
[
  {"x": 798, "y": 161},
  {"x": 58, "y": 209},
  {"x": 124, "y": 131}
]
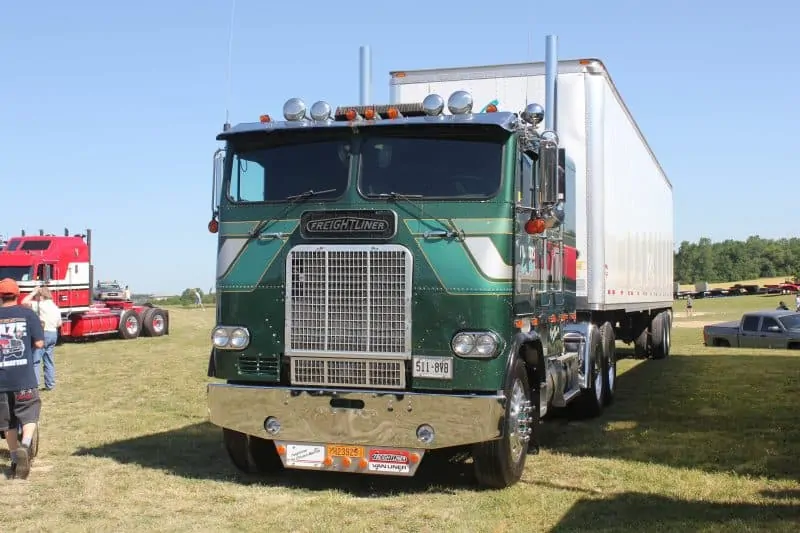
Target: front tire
[
  {"x": 251, "y": 455},
  {"x": 499, "y": 463}
]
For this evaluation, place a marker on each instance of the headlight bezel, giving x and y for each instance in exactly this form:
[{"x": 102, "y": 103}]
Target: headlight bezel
[
  {"x": 466, "y": 344},
  {"x": 223, "y": 337}
]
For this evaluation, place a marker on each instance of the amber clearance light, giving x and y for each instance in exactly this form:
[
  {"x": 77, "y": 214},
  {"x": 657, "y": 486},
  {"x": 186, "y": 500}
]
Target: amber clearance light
[{"x": 534, "y": 226}]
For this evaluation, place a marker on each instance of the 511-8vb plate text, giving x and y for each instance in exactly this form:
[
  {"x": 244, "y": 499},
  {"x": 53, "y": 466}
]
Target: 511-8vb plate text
[{"x": 432, "y": 367}]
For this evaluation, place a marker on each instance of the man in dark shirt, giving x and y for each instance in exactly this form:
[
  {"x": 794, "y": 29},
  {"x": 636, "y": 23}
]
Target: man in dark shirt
[{"x": 20, "y": 332}]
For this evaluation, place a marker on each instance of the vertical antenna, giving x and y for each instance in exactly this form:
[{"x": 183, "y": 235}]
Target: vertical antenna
[
  {"x": 227, "y": 124},
  {"x": 530, "y": 58}
]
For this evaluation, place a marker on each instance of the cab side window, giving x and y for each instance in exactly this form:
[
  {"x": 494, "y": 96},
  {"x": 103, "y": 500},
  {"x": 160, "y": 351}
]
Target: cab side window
[
  {"x": 750, "y": 323},
  {"x": 768, "y": 322}
]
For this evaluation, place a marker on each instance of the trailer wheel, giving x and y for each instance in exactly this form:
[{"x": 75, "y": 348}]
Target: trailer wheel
[
  {"x": 660, "y": 342},
  {"x": 591, "y": 400},
  {"x": 250, "y": 454},
  {"x": 500, "y": 463},
  {"x": 610, "y": 358},
  {"x": 154, "y": 322},
  {"x": 640, "y": 343},
  {"x": 130, "y": 325}
]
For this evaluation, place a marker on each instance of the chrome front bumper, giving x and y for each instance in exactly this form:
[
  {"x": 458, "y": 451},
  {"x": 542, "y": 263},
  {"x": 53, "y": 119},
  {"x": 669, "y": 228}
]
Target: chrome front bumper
[{"x": 358, "y": 417}]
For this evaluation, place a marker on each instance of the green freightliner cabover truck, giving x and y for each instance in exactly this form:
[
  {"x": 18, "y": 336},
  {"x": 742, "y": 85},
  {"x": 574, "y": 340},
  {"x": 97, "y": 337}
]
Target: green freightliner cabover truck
[{"x": 399, "y": 278}]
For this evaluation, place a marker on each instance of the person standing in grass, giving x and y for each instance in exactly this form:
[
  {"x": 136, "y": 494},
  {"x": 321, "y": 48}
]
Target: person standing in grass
[
  {"x": 20, "y": 333},
  {"x": 198, "y": 300},
  {"x": 689, "y": 305},
  {"x": 41, "y": 301}
]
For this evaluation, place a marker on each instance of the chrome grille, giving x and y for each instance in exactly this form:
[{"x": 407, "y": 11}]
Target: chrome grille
[
  {"x": 256, "y": 365},
  {"x": 379, "y": 373},
  {"x": 348, "y": 299}
]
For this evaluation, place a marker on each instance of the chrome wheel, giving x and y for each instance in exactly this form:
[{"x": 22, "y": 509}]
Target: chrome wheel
[
  {"x": 598, "y": 379},
  {"x": 519, "y": 415}
]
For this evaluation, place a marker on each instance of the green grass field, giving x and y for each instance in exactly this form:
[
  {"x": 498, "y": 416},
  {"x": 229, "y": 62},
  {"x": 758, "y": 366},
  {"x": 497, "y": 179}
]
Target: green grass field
[{"x": 707, "y": 440}]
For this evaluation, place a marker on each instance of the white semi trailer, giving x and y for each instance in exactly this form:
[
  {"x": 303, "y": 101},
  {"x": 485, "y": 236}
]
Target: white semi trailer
[{"x": 624, "y": 199}]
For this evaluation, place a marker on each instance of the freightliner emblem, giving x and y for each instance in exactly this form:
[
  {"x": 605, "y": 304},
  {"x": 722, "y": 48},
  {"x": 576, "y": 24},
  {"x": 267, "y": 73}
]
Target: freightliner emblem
[{"x": 351, "y": 224}]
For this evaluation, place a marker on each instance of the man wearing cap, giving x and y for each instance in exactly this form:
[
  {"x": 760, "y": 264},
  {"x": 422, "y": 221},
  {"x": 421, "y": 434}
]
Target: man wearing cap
[{"x": 20, "y": 332}]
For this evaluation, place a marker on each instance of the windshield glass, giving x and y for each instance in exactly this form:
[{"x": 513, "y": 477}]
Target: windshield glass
[
  {"x": 17, "y": 273},
  {"x": 449, "y": 165},
  {"x": 270, "y": 174},
  {"x": 790, "y": 321}
]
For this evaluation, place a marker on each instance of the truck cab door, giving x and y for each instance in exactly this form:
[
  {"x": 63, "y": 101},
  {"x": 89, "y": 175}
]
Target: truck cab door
[
  {"x": 771, "y": 334},
  {"x": 749, "y": 331},
  {"x": 44, "y": 273}
]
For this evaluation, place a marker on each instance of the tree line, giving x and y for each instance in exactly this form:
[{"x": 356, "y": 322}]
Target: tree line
[{"x": 730, "y": 260}]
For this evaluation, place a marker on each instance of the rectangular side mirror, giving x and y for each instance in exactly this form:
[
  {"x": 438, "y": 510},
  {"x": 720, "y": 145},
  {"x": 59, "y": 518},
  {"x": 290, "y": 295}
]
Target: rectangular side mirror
[{"x": 216, "y": 181}]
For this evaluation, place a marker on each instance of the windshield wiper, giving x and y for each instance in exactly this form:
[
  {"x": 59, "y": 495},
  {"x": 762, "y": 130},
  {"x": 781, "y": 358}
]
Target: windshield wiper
[
  {"x": 292, "y": 200},
  {"x": 454, "y": 230},
  {"x": 396, "y": 195},
  {"x": 308, "y": 194}
]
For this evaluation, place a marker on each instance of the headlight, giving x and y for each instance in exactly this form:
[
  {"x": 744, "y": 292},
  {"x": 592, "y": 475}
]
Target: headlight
[
  {"x": 463, "y": 343},
  {"x": 239, "y": 338},
  {"x": 230, "y": 337},
  {"x": 479, "y": 344},
  {"x": 220, "y": 337}
]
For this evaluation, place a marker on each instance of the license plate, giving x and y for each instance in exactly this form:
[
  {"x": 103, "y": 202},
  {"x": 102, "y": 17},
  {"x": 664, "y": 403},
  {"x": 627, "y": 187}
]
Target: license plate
[
  {"x": 432, "y": 367},
  {"x": 346, "y": 451}
]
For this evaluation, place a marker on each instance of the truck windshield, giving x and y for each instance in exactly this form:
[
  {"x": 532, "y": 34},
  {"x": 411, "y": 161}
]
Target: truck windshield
[
  {"x": 274, "y": 173},
  {"x": 17, "y": 273},
  {"x": 790, "y": 321},
  {"x": 447, "y": 165}
]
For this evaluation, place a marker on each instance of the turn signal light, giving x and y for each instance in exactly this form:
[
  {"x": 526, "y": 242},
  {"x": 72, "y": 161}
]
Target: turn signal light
[
  {"x": 213, "y": 226},
  {"x": 534, "y": 226}
]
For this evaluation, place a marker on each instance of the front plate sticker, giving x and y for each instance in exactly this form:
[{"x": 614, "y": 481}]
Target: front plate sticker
[
  {"x": 389, "y": 461},
  {"x": 305, "y": 455}
]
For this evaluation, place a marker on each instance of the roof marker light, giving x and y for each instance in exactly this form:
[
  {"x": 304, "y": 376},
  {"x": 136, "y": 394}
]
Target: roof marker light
[
  {"x": 433, "y": 105},
  {"x": 294, "y": 109},
  {"x": 460, "y": 103},
  {"x": 533, "y": 114},
  {"x": 264, "y": 119},
  {"x": 321, "y": 111}
]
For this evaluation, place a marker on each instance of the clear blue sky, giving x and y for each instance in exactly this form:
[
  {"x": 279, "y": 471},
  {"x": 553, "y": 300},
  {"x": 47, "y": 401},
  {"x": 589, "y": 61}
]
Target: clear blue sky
[{"x": 110, "y": 109}]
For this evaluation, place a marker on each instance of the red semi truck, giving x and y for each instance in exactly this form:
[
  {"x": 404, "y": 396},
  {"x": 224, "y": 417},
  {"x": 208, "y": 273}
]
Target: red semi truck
[{"x": 63, "y": 263}]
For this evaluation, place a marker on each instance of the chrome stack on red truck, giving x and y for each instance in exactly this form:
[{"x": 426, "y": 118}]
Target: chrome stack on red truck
[{"x": 63, "y": 264}]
